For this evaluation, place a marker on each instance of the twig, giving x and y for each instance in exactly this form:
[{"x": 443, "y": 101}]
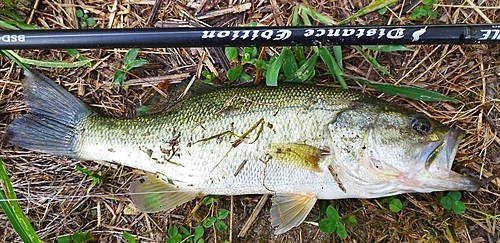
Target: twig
[
  {"x": 235, "y": 9},
  {"x": 276, "y": 13},
  {"x": 254, "y": 215},
  {"x": 478, "y": 11},
  {"x": 154, "y": 10},
  {"x": 492, "y": 123}
]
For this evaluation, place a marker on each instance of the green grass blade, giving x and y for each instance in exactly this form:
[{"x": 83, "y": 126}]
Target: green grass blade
[
  {"x": 333, "y": 66},
  {"x": 75, "y": 53},
  {"x": 376, "y": 5},
  {"x": 295, "y": 16},
  {"x": 337, "y": 52},
  {"x": 14, "y": 57},
  {"x": 21, "y": 61},
  {"x": 16, "y": 25},
  {"x": 11, "y": 208},
  {"x": 410, "y": 92},
  {"x": 299, "y": 53},
  {"x": 273, "y": 72},
  {"x": 25, "y": 26},
  {"x": 306, "y": 71},
  {"x": 6, "y": 25},
  {"x": 372, "y": 61},
  {"x": 54, "y": 64},
  {"x": 413, "y": 93},
  {"x": 8, "y": 12},
  {"x": 387, "y": 48},
  {"x": 304, "y": 13},
  {"x": 317, "y": 16},
  {"x": 12, "y": 25},
  {"x": 289, "y": 64}
]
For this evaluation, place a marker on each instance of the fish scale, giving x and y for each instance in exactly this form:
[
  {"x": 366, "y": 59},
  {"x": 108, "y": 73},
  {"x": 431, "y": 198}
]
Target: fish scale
[
  {"x": 210, "y": 165},
  {"x": 300, "y": 143}
]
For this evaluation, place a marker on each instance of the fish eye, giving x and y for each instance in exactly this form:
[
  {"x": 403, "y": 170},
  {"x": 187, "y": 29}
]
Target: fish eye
[{"x": 420, "y": 124}]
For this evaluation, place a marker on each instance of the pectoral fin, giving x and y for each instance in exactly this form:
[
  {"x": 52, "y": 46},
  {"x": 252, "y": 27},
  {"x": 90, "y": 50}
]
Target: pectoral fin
[
  {"x": 299, "y": 155},
  {"x": 152, "y": 194},
  {"x": 289, "y": 210}
]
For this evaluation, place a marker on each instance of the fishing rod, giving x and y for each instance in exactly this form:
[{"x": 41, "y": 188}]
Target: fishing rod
[{"x": 251, "y": 36}]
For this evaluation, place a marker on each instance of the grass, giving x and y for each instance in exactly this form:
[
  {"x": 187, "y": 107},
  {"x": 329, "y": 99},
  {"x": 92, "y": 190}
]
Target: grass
[
  {"x": 60, "y": 205},
  {"x": 13, "y": 210}
]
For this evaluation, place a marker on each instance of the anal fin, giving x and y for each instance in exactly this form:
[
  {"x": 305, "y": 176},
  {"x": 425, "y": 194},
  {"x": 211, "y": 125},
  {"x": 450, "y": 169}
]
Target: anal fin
[
  {"x": 152, "y": 194},
  {"x": 290, "y": 210}
]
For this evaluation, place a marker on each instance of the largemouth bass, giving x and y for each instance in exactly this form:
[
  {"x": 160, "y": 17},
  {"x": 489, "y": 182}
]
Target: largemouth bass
[{"x": 298, "y": 142}]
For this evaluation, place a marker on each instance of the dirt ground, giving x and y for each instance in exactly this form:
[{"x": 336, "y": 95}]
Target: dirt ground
[{"x": 55, "y": 196}]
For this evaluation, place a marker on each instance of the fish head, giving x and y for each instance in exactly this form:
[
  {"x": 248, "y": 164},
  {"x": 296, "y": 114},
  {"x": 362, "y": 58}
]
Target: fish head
[{"x": 378, "y": 143}]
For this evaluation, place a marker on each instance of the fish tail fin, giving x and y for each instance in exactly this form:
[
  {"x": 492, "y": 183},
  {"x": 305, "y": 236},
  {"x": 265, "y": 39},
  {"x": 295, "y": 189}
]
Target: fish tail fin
[{"x": 55, "y": 121}]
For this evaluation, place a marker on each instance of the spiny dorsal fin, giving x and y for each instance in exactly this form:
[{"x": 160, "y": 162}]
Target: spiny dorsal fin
[
  {"x": 152, "y": 194},
  {"x": 176, "y": 93},
  {"x": 290, "y": 210}
]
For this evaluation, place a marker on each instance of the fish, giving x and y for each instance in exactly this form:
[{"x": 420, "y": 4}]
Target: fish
[{"x": 298, "y": 142}]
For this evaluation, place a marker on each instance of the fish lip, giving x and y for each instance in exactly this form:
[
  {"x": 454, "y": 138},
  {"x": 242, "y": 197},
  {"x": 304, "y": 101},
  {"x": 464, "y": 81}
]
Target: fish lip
[
  {"x": 440, "y": 155},
  {"x": 439, "y": 162},
  {"x": 453, "y": 137}
]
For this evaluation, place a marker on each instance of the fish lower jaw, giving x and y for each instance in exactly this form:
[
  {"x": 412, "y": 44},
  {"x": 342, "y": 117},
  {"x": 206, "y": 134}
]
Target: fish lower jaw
[{"x": 431, "y": 182}]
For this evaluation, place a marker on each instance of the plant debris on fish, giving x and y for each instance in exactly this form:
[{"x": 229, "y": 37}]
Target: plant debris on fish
[{"x": 298, "y": 142}]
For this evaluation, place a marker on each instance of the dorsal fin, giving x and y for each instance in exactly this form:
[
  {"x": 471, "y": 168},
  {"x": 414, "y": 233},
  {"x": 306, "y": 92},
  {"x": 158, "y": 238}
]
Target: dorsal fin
[{"x": 176, "y": 93}]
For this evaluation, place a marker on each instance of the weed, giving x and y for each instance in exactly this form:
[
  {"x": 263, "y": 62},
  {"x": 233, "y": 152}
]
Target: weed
[
  {"x": 181, "y": 234},
  {"x": 395, "y": 205},
  {"x": 452, "y": 201},
  {"x": 210, "y": 199},
  {"x": 214, "y": 221},
  {"x": 332, "y": 223},
  {"x": 350, "y": 220},
  {"x": 84, "y": 20},
  {"x": 77, "y": 237},
  {"x": 129, "y": 62},
  {"x": 219, "y": 225},
  {"x": 96, "y": 177},
  {"x": 129, "y": 237},
  {"x": 428, "y": 9},
  {"x": 209, "y": 77},
  {"x": 249, "y": 57}
]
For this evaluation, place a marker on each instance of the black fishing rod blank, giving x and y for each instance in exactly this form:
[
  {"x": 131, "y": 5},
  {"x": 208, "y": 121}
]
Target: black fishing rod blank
[{"x": 250, "y": 36}]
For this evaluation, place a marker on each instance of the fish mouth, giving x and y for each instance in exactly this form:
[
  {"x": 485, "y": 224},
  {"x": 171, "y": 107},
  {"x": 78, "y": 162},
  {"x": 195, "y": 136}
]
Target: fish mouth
[{"x": 439, "y": 160}]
